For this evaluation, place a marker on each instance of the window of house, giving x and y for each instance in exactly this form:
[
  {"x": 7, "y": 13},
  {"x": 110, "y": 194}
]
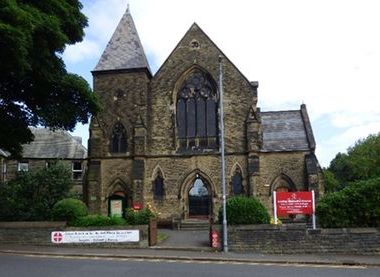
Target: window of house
[
  {"x": 118, "y": 139},
  {"x": 237, "y": 183},
  {"x": 77, "y": 170},
  {"x": 158, "y": 187},
  {"x": 23, "y": 166},
  {"x": 197, "y": 112}
]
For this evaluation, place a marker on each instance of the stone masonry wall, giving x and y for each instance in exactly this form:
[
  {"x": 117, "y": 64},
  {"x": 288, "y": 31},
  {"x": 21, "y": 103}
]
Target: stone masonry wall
[
  {"x": 39, "y": 233},
  {"x": 179, "y": 173},
  {"x": 296, "y": 239},
  {"x": 273, "y": 165},
  {"x": 124, "y": 98},
  {"x": 238, "y": 93}
]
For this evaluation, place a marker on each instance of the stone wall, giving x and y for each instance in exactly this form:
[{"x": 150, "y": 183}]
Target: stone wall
[
  {"x": 296, "y": 239},
  {"x": 123, "y": 96},
  {"x": 179, "y": 173},
  {"x": 39, "y": 233},
  {"x": 274, "y": 165},
  {"x": 239, "y": 94}
]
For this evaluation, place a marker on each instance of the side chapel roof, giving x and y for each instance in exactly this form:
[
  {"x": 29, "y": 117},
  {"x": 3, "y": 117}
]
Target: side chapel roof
[
  {"x": 124, "y": 50},
  {"x": 287, "y": 131}
]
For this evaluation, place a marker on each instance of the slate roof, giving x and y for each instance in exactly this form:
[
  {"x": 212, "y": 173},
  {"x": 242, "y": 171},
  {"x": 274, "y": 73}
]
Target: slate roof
[
  {"x": 124, "y": 50},
  {"x": 3, "y": 153},
  {"x": 284, "y": 131},
  {"x": 53, "y": 145}
]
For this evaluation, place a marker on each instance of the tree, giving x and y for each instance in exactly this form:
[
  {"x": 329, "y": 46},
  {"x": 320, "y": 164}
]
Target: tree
[
  {"x": 331, "y": 183},
  {"x": 35, "y": 88},
  {"x": 361, "y": 162},
  {"x": 32, "y": 195}
]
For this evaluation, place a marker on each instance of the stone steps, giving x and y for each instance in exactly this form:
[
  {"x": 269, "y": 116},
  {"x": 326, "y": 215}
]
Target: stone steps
[{"x": 194, "y": 224}]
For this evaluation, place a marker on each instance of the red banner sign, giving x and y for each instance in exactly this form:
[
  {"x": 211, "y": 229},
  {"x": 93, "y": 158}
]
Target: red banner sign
[{"x": 294, "y": 203}]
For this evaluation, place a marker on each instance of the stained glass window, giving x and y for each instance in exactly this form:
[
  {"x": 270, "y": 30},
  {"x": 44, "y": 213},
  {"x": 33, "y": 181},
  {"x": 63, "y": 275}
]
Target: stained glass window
[{"x": 197, "y": 112}]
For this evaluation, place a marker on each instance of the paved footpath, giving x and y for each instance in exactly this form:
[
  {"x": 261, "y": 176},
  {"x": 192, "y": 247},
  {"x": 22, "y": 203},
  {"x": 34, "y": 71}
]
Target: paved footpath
[{"x": 157, "y": 253}]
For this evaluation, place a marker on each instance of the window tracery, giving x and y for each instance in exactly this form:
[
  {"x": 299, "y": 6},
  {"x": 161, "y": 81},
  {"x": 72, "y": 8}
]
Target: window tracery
[
  {"x": 197, "y": 112},
  {"x": 118, "y": 139}
]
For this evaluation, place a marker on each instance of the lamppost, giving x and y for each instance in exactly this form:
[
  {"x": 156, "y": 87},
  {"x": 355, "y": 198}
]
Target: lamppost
[{"x": 225, "y": 243}]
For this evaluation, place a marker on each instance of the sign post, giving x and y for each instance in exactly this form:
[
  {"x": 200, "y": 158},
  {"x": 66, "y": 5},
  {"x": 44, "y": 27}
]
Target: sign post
[
  {"x": 275, "y": 207},
  {"x": 313, "y": 218},
  {"x": 301, "y": 202},
  {"x": 225, "y": 230}
]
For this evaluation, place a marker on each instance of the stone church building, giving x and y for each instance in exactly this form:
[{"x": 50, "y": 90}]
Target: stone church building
[{"x": 156, "y": 142}]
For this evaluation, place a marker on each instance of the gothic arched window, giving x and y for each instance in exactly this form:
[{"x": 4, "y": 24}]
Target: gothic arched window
[
  {"x": 237, "y": 182},
  {"x": 158, "y": 187},
  {"x": 119, "y": 139},
  {"x": 197, "y": 112}
]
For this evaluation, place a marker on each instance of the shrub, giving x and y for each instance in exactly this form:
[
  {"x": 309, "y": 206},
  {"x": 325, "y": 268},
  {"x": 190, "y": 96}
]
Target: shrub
[
  {"x": 69, "y": 209},
  {"x": 138, "y": 217},
  {"x": 355, "y": 206},
  {"x": 32, "y": 195},
  {"x": 97, "y": 220},
  {"x": 245, "y": 210}
]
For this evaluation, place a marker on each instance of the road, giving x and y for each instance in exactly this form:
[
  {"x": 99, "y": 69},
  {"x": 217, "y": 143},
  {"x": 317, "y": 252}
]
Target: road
[{"x": 36, "y": 266}]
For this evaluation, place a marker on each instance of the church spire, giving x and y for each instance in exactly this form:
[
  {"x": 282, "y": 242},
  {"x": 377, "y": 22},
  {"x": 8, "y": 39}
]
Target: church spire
[{"x": 124, "y": 50}]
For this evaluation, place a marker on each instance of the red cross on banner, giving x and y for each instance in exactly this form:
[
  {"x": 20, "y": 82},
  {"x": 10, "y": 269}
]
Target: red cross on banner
[{"x": 57, "y": 237}]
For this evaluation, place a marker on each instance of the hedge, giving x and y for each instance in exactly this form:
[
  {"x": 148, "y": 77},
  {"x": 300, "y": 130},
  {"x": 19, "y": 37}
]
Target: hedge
[
  {"x": 97, "y": 220},
  {"x": 358, "y": 205},
  {"x": 69, "y": 209},
  {"x": 245, "y": 210}
]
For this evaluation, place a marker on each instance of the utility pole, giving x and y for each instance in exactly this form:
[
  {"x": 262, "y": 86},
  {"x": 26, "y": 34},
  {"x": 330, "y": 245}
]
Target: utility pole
[{"x": 225, "y": 243}]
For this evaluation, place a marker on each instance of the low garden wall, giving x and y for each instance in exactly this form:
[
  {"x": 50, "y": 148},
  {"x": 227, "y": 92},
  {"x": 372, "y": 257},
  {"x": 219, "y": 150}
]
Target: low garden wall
[
  {"x": 297, "y": 239},
  {"x": 39, "y": 233}
]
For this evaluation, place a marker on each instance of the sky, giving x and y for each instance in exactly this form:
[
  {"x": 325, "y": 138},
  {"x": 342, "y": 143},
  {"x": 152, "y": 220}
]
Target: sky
[{"x": 323, "y": 53}]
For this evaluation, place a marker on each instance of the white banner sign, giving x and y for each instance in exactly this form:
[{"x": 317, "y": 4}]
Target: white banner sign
[{"x": 95, "y": 236}]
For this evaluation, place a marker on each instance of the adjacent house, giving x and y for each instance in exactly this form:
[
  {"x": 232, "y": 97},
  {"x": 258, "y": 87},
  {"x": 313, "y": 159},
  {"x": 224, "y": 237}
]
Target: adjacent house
[
  {"x": 3, "y": 164},
  {"x": 48, "y": 147}
]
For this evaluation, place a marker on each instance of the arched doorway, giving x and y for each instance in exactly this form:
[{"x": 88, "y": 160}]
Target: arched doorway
[
  {"x": 118, "y": 202},
  {"x": 199, "y": 197}
]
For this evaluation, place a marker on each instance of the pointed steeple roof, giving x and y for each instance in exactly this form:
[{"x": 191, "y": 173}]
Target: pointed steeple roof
[{"x": 124, "y": 50}]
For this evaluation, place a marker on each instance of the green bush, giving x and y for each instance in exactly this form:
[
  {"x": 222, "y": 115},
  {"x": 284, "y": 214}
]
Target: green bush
[
  {"x": 138, "y": 217},
  {"x": 244, "y": 210},
  {"x": 32, "y": 195},
  {"x": 358, "y": 205},
  {"x": 97, "y": 220},
  {"x": 69, "y": 209}
]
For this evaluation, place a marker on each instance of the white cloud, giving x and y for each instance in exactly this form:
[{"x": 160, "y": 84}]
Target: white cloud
[
  {"x": 82, "y": 51},
  {"x": 354, "y": 119}
]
